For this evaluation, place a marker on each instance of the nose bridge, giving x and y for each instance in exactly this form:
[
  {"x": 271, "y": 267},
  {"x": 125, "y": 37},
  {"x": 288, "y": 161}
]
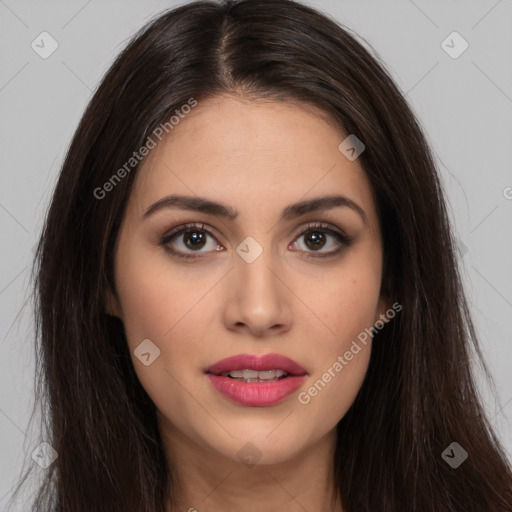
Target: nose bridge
[
  {"x": 257, "y": 297},
  {"x": 253, "y": 262}
]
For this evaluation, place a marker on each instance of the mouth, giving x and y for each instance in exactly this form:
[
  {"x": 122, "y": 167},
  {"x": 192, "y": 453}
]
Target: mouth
[
  {"x": 256, "y": 376},
  {"x": 256, "y": 381}
]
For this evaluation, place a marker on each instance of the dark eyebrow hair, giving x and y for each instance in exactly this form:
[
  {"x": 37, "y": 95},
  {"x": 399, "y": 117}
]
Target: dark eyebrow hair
[{"x": 292, "y": 211}]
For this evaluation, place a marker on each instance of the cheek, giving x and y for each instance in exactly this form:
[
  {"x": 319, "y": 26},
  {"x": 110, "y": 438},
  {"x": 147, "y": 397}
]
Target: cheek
[
  {"x": 346, "y": 303},
  {"x": 341, "y": 349},
  {"x": 157, "y": 300},
  {"x": 170, "y": 308},
  {"x": 340, "y": 359},
  {"x": 331, "y": 393},
  {"x": 159, "y": 307}
]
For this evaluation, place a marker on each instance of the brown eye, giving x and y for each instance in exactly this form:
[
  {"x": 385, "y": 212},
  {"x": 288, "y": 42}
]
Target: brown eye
[
  {"x": 194, "y": 239},
  {"x": 315, "y": 240},
  {"x": 188, "y": 241}
]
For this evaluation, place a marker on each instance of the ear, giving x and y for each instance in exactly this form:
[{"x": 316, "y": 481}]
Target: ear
[
  {"x": 383, "y": 306},
  {"x": 112, "y": 306}
]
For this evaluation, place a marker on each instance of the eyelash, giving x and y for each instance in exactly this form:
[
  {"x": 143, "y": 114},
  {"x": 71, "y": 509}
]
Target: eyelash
[{"x": 343, "y": 239}]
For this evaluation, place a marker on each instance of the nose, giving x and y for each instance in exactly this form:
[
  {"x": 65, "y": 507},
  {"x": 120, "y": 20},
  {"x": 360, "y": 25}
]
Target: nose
[{"x": 257, "y": 299}]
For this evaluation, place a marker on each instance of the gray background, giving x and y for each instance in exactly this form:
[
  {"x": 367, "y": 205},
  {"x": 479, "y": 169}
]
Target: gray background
[{"x": 464, "y": 105}]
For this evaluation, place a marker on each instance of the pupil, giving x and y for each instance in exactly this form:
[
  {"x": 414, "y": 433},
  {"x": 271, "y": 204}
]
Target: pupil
[
  {"x": 194, "y": 240},
  {"x": 317, "y": 239}
]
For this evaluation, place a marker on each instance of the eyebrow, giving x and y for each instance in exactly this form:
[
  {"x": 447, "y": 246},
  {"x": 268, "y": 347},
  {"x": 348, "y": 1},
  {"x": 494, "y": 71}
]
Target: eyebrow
[{"x": 207, "y": 206}]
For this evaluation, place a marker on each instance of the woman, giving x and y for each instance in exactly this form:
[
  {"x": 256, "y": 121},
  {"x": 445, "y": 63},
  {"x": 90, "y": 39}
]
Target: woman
[{"x": 248, "y": 297}]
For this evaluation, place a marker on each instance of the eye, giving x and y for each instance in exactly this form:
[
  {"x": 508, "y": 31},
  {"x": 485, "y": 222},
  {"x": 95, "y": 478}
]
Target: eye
[
  {"x": 316, "y": 237},
  {"x": 190, "y": 238}
]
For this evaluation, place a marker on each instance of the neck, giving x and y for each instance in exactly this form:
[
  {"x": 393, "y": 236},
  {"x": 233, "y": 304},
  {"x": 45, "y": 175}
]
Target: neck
[{"x": 208, "y": 481}]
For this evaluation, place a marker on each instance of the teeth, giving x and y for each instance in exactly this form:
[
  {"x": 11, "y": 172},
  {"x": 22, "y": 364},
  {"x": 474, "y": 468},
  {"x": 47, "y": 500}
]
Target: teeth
[
  {"x": 255, "y": 376},
  {"x": 270, "y": 374},
  {"x": 250, "y": 374}
]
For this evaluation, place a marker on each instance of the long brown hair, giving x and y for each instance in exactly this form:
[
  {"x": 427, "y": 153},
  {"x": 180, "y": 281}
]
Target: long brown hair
[{"x": 419, "y": 395}]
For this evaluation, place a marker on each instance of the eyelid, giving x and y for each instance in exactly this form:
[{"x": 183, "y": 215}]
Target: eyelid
[
  {"x": 190, "y": 226},
  {"x": 329, "y": 228}
]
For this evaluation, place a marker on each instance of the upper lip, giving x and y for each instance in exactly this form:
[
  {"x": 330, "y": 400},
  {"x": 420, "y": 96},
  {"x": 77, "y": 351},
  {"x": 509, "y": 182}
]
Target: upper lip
[{"x": 258, "y": 363}]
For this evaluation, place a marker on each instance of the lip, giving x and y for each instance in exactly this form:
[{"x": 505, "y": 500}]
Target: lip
[
  {"x": 256, "y": 394},
  {"x": 258, "y": 363}
]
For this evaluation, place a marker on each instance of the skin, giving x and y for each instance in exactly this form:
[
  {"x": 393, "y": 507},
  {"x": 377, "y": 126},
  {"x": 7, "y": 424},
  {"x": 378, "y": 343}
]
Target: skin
[{"x": 258, "y": 157}]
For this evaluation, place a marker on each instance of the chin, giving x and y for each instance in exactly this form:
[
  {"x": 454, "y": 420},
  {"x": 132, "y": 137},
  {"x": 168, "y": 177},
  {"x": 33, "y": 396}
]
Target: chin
[{"x": 262, "y": 446}]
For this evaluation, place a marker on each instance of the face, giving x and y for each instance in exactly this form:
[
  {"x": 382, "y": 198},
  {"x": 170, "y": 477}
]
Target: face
[{"x": 270, "y": 280}]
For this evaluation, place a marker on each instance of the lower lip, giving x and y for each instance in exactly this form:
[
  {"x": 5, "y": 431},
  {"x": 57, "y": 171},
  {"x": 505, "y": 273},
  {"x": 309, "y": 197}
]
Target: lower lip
[{"x": 256, "y": 394}]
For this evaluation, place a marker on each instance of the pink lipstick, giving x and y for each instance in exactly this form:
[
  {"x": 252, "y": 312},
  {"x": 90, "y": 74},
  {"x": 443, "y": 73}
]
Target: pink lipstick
[{"x": 256, "y": 381}]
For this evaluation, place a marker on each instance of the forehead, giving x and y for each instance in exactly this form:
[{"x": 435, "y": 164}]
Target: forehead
[{"x": 257, "y": 156}]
